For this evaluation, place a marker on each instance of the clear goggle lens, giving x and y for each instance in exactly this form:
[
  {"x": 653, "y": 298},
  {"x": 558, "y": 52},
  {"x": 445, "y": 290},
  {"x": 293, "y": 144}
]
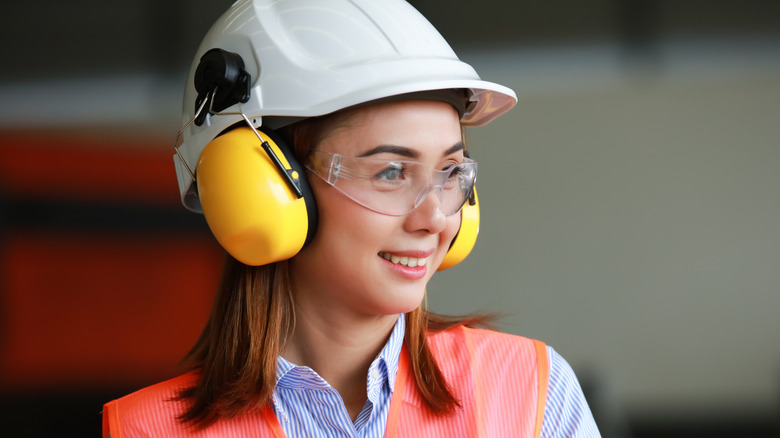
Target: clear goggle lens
[{"x": 395, "y": 187}]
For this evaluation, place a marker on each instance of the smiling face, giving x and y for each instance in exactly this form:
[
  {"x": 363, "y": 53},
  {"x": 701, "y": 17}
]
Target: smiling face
[{"x": 366, "y": 264}]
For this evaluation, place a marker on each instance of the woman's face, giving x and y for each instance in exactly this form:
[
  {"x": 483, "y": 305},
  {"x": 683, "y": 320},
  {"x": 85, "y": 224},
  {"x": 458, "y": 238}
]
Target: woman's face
[{"x": 345, "y": 270}]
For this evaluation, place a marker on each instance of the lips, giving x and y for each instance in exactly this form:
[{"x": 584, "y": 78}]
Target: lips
[{"x": 411, "y": 262}]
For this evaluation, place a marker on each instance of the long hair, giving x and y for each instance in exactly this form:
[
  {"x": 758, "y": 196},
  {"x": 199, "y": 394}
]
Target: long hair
[
  {"x": 253, "y": 317},
  {"x": 236, "y": 352}
]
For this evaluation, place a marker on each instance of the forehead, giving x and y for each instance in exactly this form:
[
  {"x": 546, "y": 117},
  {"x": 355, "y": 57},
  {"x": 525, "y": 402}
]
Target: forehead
[{"x": 425, "y": 126}]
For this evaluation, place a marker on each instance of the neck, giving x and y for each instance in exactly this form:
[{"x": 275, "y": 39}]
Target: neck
[{"x": 341, "y": 352}]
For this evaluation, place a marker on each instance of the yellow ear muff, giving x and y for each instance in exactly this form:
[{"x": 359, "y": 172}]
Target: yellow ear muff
[
  {"x": 467, "y": 235},
  {"x": 248, "y": 204}
]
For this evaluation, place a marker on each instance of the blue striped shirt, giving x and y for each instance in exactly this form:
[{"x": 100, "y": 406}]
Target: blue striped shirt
[{"x": 307, "y": 405}]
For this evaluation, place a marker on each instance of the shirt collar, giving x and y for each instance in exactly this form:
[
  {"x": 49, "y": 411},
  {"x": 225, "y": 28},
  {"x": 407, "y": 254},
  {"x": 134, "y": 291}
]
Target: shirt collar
[{"x": 383, "y": 368}]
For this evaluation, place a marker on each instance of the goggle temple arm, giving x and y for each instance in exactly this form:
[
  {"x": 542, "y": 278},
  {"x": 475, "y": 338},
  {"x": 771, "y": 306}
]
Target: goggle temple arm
[{"x": 473, "y": 194}]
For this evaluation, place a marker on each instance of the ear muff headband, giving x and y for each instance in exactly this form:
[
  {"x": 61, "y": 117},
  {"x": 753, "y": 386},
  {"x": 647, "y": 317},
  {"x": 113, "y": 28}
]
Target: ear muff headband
[
  {"x": 464, "y": 241},
  {"x": 249, "y": 206}
]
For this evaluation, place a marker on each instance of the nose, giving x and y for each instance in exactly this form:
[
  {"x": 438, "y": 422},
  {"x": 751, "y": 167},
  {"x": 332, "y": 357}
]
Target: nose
[
  {"x": 428, "y": 216},
  {"x": 438, "y": 191}
]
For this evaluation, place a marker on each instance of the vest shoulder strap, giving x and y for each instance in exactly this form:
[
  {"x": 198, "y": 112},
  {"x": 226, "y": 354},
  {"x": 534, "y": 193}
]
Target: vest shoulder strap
[
  {"x": 543, "y": 376},
  {"x": 149, "y": 410},
  {"x": 154, "y": 411},
  {"x": 500, "y": 380}
]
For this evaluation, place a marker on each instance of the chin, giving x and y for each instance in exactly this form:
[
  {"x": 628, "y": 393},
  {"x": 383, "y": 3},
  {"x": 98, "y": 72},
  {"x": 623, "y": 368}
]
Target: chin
[{"x": 409, "y": 302}]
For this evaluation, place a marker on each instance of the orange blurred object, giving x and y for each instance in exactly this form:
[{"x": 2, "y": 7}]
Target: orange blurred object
[{"x": 96, "y": 306}]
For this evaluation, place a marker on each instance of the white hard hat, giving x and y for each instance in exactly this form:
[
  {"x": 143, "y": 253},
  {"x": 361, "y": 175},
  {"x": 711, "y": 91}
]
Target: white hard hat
[{"x": 304, "y": 58}]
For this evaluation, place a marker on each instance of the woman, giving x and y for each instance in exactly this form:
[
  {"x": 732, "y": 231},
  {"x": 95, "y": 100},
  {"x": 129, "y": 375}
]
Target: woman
[{"x": 318, "y": 327}]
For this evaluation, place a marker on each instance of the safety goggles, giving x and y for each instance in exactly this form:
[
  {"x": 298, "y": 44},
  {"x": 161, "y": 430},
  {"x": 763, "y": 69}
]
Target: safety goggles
[{"x": 395, "y": 187}]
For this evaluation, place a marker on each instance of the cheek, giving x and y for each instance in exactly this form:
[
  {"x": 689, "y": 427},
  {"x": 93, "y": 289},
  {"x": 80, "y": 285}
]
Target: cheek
[
  {"x": 344, "y": 223},
  {"x": 453, "y": 225},
  {"x": 449, "y": 233}
]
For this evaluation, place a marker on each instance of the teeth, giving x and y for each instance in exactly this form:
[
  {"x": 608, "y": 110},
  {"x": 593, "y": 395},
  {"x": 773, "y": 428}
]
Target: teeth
[{"x": 411, "y": 262}]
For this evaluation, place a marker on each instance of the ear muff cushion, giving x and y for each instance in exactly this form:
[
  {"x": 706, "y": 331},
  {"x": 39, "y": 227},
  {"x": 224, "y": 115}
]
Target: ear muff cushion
[
  {"x": 467, "y": 235},
  {"x": 248, "y": 204}
]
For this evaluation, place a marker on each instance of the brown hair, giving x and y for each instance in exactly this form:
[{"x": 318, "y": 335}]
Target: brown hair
[{"x": 253, "y": 316}]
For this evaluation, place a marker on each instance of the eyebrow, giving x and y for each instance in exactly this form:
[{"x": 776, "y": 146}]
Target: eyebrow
[{"x": 408, "y": 152}]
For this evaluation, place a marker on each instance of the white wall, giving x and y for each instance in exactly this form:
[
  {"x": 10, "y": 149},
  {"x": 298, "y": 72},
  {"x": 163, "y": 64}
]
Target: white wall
[{"x": 631, "y": 219}]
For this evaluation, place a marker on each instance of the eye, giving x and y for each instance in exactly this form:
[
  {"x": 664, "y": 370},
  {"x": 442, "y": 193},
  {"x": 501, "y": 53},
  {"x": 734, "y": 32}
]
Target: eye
[
  {"x": 460, "y": 177},
  {"x": 392, "y": 172},
  {"x": 455, "y": 170}
]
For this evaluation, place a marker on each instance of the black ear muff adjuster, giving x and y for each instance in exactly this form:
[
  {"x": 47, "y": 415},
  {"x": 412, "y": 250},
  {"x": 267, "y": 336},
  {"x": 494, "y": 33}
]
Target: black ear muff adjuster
[
  {"x": 301, "y": 183},
  {"x": 221, "y": 80}
]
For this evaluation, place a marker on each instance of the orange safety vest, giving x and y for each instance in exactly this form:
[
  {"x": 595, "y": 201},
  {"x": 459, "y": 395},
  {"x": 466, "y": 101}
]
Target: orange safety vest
[{"x": 500, "y": 380}]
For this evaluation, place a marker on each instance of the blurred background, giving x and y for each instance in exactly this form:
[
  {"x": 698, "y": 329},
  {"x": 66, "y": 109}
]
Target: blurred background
[{"x": 630, "y": 204}]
